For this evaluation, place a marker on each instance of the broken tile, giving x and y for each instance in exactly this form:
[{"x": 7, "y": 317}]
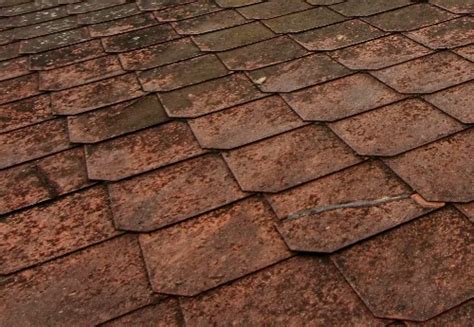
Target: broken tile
[
  {"x": 185, "y": 73},
  {"x": 467, "y": 209},
  {"x": 303, "y": 20},
  {"x": 33, "y": 18},
  {"x": 236, "y": 3},
  {"x": 173, "y": 194},
  {"x": 45, "y": 232},
  {"x": 108, "y": 280},
  {"x": 122, "y": 25},
  {"x": 13, "y": 68},
  {"x": 395, "y": 128},
  {"x": 160, "y": 4},
  {"x": 467, "y": 52},
  {"x": 244, "y": 124},
  {"x": 302, "y": 291},
  {"x": 159, "y": 55},
  {"x": 409, "y": 18},
  {"x": 209, "y": 23},
  {"x": 95, "y": 95},
  {"x": 456, "y": 101},
  {"x": 221, "y": 246},
  {"x": 380, "y": 53},
  {"x": 456, "y": 6},
  {"x": 341, "y": 98},
  {"x": 427, "y": 74},
  {"x": 416, "y": 271},
  {"x": 80, "y": 73},
  {"x": 193, "y": 9},
  {"x": 337, "y": 36},
  {"x": 297, "y": 74},
  {"x": 233, "y": 37},
  {"x": 99, "y": 125},
  {"x": 140, "y": 152},
  {"x": 92, "y": 5},
  {"x": 455, "y": 33},
  {"x": 458, "y": 316},
  {"x": 33, "y": 142},
  {"x": 53, "y": 41},
  {"x": 211, "y": 96},
  {"x": 24, "y": 113},
  {"x": 108, "y": 14},
  {"x": 50, "y": 27},
  {"x": 368, "y": 7},
  {"x": 139, "y": 38},
  {"x": 262, "y": 54},
  {"x": 19, "y": 88},
  {"x": 295, "y": 157},
  {"x": 66, "y": 56},
  {"x": 424, "y": 169},
  {"x": 273, "y": 8}
]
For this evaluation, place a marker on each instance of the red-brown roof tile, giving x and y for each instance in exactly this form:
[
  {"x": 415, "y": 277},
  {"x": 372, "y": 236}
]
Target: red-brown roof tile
[
  {"x": 19, "y": 88},
  {"x": 210, "y": 22},
  {"x": 467, "y": 209},
  {"x": 122, "y": 25},
  {"x": 193, "y": 9},
  {"x": 92, "y": 5},
  {"x": 160, "y": 4},
  {"x": 25, "y": 112},
  {"x": 53, "y": 41},
  {"x": 13, "y": 68},
  {"x": 274, "y": 8},
  {"x": 456, "y": 6},
  {"x": 9, "y": 51},
  {"x": 108, "y": 14},
  {"x": 467, "y": 52},
  {"x": 461, "y": 315}
]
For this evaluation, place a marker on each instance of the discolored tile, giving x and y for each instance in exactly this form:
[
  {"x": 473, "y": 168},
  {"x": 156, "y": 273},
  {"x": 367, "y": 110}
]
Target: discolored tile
[
  {"x": 428, "y": 74},
  {"x": 80, "y": 73},
  {"x": 33, "y": 142},
  {"x": 211, "y": 96},
  {"x": 244, "y": 124},
  {"x": 45, "y": 232},
  {"x": 221, "y": 246},
  {"x": 159, "y": 55},
  {"x": 467, "y": 209},
  {"x": 395, "y": 128},
  {"x": 99, "y": 125},
  {"x": 302, "y": 291},
  {"x": 467, "y": 52},
  {"x": 19, "y": 88},
  {"x": 380, "y": 53},
  {"x": 409, "y": 18},
  {"x": 233, "y": 37},
  {"x": 139, "y": 39},
  {"x": 141, "y": 151},
  {"x": 92, "y": 5},
  {"x": 368, "y": 7},
  {"x": 108, "y": 280},
  {"x": 337, "y": 36},
  {"x": 303, "y": 20},
  {"x": 295, "y": 157},
  {"x": 262, "y": 54},
  {"x": 456, "y": 101},
  {"x": 273, "y": 8},
  {"x": 297, "y": 74},
  {"x": 18, "y": 8},
  {"x": 96, "y": 95},
  {"x": 33, "y": 17},
  {"x": 42, "y": 29},
  {"x": 108, "y": 14},
  {"x": 122, "y": 25},
  {"x": 343, "y": 208},
  {"x": 193, "y": 9},
  {"x": 66, "y": 56},
  {"x": 455, "y": 33},
  {"x": 24, "y": 113},
  {"x": 236, "y": 3},
  {"x": 160, "y": 4},
  {"x": 341, "y": 98},
  {"x": 456, "y": 6},
  {"x": 13, "y": 68},
  {"x": 54, "y": 41},
  {"x": 209, "y": 23},
  {"x": 185, "y": 73},
  {"x": 424, "y": 168},
  {"x": 173, "y": 194},
  {"x": 458, "y": 316},
  {"x": 416, "y": 271},
  {"x": 9, "y": 51}
]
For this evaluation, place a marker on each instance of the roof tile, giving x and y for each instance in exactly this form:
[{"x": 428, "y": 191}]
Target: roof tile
[
  {"x": 236, "y": 3},
  {"x": 193, "y": 9},
  {"x": 295, "y": 157},
  {"x": 467, "y": 209},
  {"x": 9, "y": 51},
  {"x": 19, "y": 88},
  {"x": 380, "y": 53},
  {"x": 418, "y": 291},
  {"x": 53, "y": 41},
  {"x": 338, "y": 35},
  {"x": 142, "y": 151},
  {"x": 25, "y": 112},
  {"x": 210, "y": 22},
  {"x": 395, "y": 128},
  {"x": 424, "y": 168},
  {"x": 458, "y": 316},
  {"x": 297, "y": 74},
  {"x": 367, "y": 7},
  {"x": 262, "y": 54},
  {"x": 185, "y": 73},
  {"x": 467, "y": 52},
  {"x": 45, "y": 28},
  {"x": 122, "y": 25},
  {"x": 273, "y": 8},
  {"x": 108, "y": 14},
  {"x": 96, "y": 95},
  {"x": 244, "y": 124},
  {"x": 13, "y": 68},
  {"x": 211, "y": 96},
  {"x": 160, "y": 4},
  {"x": 45, "y": 232},
  {"x": 341, "y": 98},
  {"x": 221, "y": 246},
  {"x": 33, "y": 18},
  {"x": 106, "y": 123},
  {"x": 92, "y": 5},
  {"x": 428, "y": 74},
  {"x": 456, "y": 6},
  {"x": 302, "y": 291},
  {"x": 324, "y": 2},
  {"x": 24, "y": 8},
  {"x": 108, "y": 280},
  {"x": 173, "y": 194}
]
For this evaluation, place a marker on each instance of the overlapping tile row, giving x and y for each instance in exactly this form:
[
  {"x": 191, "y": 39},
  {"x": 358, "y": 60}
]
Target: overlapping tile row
[{"x": 166, "y": 160}]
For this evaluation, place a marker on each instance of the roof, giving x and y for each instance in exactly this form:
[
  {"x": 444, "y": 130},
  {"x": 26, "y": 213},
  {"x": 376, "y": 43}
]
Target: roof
[{"x": 236, "y": 162}]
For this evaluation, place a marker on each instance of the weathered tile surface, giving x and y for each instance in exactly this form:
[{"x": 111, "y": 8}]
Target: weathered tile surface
[
  {"x": 53, "y": 26},
  {"x": 92, "y": 5},
  {"x": 193, "y": 9},
  {"x": 467, "y": 209},
  {"x": 122, "y": 25},
  {"x": 460, "y": 316},
  {"x": 467, "y": 52},
  {"x": 19, "y": 88},
  {"x": 236, "y": 3},
  {"x": 160, "y": 4},
  {"x": 367, "y": 7},
  {"x": 273, "y": 8},
  {"x": 456, "y": 6},
  {"x": 173, "y": 194},
  {"x": 24, "y": 113},
  {"x": 54, "y": 41},
  {"x": 108, "y": 14},
  {"x": 210, "y": 22},
  {"x": 13, "y": 68},
  {"x": 296, "y": 157},
  {"x": 244, "y": 124},
  {"x": 434, "y": 253},
  {"x": 33, "y": 18}
]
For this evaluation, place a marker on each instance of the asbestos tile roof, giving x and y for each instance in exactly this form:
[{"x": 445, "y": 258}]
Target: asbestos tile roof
[{"x": 236, "y": 162}]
